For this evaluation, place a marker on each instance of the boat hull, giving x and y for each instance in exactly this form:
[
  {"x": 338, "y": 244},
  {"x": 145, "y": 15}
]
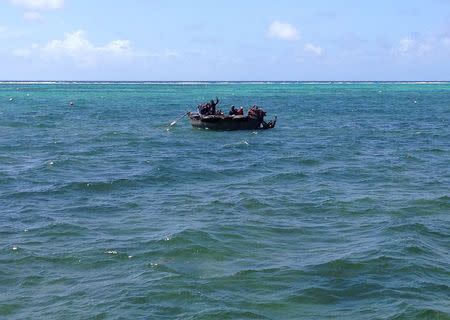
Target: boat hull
[{"x": 225, "y": 123}]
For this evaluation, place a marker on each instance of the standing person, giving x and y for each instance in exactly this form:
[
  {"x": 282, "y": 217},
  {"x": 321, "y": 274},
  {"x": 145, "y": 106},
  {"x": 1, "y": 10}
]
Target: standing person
[{"x": 213, "y": 105}]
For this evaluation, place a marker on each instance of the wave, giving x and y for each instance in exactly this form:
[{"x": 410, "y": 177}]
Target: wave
[
  {"x": 226, "y": 313},
  {"x": 442, "y": 201},
  {"x": 61, "y": 229},
  {"x": 414, "y": 312},
  {"x": 283, "y": 177},
  {"x": 154, "y": 177},
  {"x": 415, "y": 227}
]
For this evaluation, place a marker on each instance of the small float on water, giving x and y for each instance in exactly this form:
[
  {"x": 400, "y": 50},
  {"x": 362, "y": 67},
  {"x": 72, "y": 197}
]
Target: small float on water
[{"x": 208, "y": 117}]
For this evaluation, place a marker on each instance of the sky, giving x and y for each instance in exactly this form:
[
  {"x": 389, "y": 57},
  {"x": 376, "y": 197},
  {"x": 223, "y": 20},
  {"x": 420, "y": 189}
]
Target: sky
[{"x": 245, "y": 40}]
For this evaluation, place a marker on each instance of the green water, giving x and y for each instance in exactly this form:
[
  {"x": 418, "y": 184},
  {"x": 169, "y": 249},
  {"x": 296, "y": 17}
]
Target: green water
[{"x": 341, "y": 211}]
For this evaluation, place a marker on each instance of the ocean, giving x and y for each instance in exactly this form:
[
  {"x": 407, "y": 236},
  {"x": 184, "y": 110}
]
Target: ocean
[{"x": 340, "y": 212}]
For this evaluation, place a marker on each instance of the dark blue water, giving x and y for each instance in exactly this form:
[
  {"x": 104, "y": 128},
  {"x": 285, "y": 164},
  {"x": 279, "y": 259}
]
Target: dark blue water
[{"x": 342, "y": 211}]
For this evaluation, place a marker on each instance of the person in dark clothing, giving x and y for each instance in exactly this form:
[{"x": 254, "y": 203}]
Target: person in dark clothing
[
  {"x": 208, "y": 108},
  {"x": 233, "y": 111},
  {"x": 213, "y": 105},
  {"x": 203, "y": 109}
]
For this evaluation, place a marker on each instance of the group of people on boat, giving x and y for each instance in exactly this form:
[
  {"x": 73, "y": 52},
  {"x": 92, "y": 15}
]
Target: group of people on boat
[
  {"x": 236, "y": 112},
  {"x": 253, "y": 112},
  {"x": 209, "y": 108},
  {"x": 256, "y": 112}
]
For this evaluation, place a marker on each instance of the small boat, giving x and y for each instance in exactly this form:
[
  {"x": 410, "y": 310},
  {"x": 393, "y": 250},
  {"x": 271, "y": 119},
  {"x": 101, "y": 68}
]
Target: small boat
[
  {"x": 225, "y": 122},
  {"x": 209, "y": 118}
]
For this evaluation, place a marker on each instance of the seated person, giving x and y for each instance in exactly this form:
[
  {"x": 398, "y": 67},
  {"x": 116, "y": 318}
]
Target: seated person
[
  {"x": 240, "y": 112},
  {"x": 256, "y": 112},
  {"x": 202, "y": 109},
  {"x": 233, "y": 111},
  {"x": 252, "y": 112}
]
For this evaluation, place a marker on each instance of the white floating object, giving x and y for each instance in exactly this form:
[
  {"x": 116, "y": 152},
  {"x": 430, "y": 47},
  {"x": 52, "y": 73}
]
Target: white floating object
[{"x": 11, "y": 99}]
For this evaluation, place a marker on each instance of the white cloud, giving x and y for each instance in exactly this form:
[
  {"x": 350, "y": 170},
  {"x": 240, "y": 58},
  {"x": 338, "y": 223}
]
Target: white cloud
[
  {"x": 409, "y": 46},
  {"x": 32, "y": 16},
  {"x": 310, "y": 48},
  {"x": 283, "y": 31},
  {"x": 39, "y": 4},
  {"x": 406, "y": 45},
  {"x": 76, "y": 47}
]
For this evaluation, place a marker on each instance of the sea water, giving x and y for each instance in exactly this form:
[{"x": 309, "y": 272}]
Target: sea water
[{"x": 340, "y": 212}]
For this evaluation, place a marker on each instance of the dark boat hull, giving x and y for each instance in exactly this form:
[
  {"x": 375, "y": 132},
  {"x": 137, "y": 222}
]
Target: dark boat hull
[{"x": 225, "y": 123}]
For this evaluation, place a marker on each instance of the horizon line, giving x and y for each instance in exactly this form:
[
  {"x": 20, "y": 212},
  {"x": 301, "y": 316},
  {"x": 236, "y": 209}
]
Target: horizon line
[{"x": 223, "y": 81}]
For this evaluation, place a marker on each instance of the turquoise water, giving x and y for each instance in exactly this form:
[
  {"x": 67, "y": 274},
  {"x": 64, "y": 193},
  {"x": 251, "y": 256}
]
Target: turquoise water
[{"x": 341, "y": 211}]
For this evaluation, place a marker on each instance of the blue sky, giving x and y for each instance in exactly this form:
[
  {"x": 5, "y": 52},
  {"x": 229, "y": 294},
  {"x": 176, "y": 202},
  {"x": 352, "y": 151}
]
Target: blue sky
[{"x": 224, "y": 40}]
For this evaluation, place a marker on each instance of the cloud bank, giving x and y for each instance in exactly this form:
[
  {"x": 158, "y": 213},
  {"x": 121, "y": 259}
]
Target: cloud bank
[{"x": 77, "y": 47}]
